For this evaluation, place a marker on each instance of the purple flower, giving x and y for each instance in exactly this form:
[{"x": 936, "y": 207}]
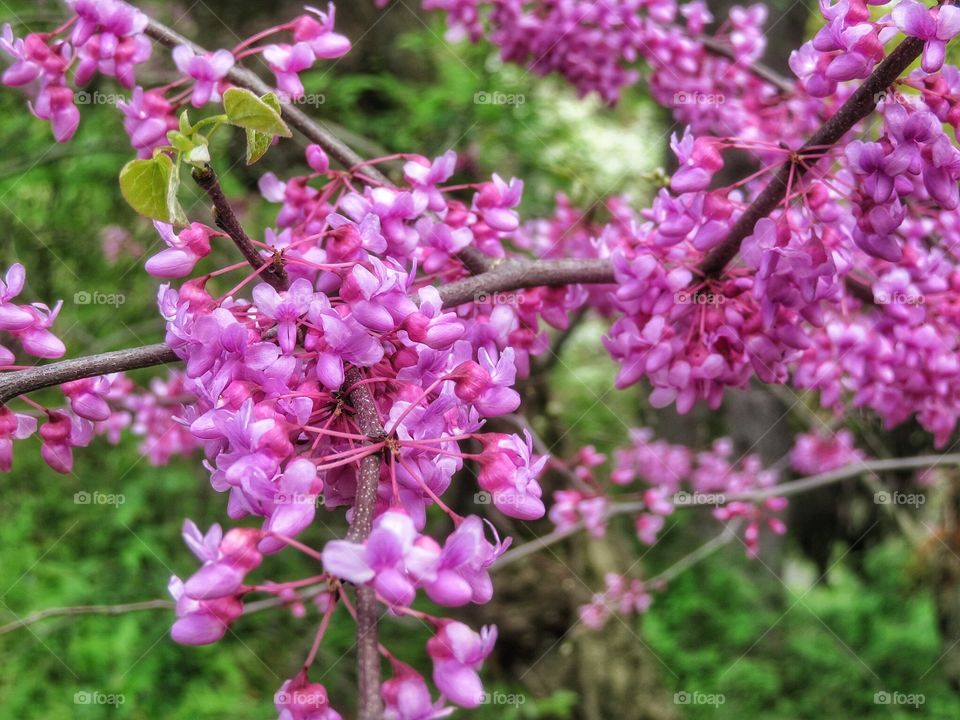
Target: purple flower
[
  {"x": 461, "y": 572},
  {"x": 394, "y": 558},
  {"x": 183, "y": 251},
  {"x": 286, "y": 62},
  {"x": 458, "y": 652},
  {"x": 318, "y": 32},
  {"x": 148, "y": 116},
  {"x": 286, "y": 307},
  {"x": 207, "y": 70},
  {"x": 509, "y": 472},
  {"x": 407, "y": 697},
  {"x": 935, "y": 27}
]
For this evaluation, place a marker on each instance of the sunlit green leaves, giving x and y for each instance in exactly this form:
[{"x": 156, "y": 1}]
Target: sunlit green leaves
[
  {"x": 246, "y": 110},
  {"x": 150, "y": 187}
]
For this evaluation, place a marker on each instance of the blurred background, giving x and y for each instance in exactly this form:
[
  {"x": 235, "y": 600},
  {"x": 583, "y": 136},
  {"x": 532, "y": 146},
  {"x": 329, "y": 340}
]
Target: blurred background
[{"x": 857, "y": 599}]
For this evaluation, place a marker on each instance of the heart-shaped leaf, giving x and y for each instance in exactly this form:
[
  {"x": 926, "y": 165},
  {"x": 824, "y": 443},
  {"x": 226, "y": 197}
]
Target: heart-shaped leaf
[
  {"x": 150, "y": 188},
  {"x": 246, "y": 110}
]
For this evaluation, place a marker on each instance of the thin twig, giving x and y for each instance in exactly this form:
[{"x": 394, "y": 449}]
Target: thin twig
[
  {"x": 227, "y": 221},
  {"x": 863, "y": 101}
]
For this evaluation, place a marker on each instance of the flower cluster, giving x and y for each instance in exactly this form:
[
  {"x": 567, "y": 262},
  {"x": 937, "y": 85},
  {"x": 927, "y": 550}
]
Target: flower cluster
[{"x": 107, "y": 38}]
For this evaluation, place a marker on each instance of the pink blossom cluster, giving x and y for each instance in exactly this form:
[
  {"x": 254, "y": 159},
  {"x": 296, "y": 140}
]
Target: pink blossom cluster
[
  {"x": 818, "y": 452},
  {"x": 29, "y": 324},
  {"x": 622, "y": 595},
  {"x": 674, "y": 475},
  {"x": 107, "y": 38}
]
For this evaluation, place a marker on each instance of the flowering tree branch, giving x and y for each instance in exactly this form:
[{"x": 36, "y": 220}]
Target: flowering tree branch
[
  {"x": 863, "y": 101},
  {"x": 507, "y": 275},
  {"x": 242, "y": 77},
  {"x": 368, "y": 655},
  {"x": 227, "y": 221}
]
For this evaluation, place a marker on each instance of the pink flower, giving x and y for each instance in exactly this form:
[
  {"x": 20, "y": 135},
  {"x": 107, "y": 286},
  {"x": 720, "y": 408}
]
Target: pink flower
[
  {"x": 458, "y": 652},
  {"x": 207, "y": 70},
  {"x": 935, "y": 26},
  {"x": 184, "y": 251},
  {"x": 509, "y": 472},
  {"x": 395, "y": 559}
]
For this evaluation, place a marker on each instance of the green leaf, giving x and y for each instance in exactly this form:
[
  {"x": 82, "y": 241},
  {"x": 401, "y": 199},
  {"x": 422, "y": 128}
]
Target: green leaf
[
  {"x": 185, "y": 127},
  {"x": 257, "y": 145},
  {"x": 145, "y": 185},
  {"x": 174, "y": 209},
  {"x": 246, "y": 110}
]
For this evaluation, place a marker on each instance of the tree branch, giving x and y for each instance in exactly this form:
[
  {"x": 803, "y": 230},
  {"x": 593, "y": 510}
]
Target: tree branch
[
  {"x": 764, "y": 72},
  {"x": 242, "y": 77},
  {"x": 507, "y": 275},
  {"x": 227, "y": 221},
  {"x": 368, "y": 653},
  {"x": 858, "y": 106}
]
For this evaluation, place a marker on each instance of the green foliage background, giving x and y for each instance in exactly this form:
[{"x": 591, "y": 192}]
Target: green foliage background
[{"x": 787, "y": 653}]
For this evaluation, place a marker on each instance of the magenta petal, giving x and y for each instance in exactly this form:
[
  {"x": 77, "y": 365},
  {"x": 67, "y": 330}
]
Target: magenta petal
[
  {"x": 198, "y": 629},
  {"x": 213, "y": 580},
  {"x": 347, "y": 560},
  {"x": 171, "y": 263},
  {"x": 459, "y": 683},
  {"x": 42, "y": 343}
]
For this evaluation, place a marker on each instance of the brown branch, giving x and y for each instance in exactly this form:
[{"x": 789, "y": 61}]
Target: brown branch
[
  {"x": 242, "y": 77},
  {"x": 19, "y": 382},
  {"x": 227, "y": 221},
  {"x": 39, "y": 615},
  {"x": 764, "y": 72},
  {"x": 858, "y": 106},
  {"x": 368, "y": 654},
  {"x": 508, "y": 275}
]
